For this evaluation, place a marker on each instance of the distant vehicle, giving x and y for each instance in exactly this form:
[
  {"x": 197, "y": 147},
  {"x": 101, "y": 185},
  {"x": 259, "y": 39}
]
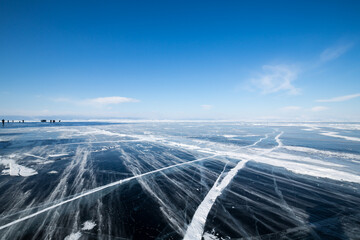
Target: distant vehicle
[{"x": 43, "y": 120}]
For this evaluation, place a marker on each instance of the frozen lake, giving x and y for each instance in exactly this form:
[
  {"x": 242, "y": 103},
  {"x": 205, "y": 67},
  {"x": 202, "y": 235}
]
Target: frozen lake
[{"x": 180, "y": 180}]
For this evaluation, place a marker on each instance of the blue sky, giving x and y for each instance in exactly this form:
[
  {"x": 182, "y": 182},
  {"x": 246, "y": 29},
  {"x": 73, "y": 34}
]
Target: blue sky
[{"x": 282, "y": 60}]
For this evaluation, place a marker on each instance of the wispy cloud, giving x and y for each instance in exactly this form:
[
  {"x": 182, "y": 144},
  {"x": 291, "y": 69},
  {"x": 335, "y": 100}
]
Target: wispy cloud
[
  {"x": 340, "y": 99},
  {"x": 97, "y": 102},
  {"x": 298, "y": 109},
  {"x": 318, "y": 108},
  {"x": 290, "y": 108},
  {"x": 276, "y": 78},
  {"x": 109, "y": 100},
  {"x": 206, "y": 107},
  {"x": 61, "y": 99},
  {"x": 334, "y": 52}
]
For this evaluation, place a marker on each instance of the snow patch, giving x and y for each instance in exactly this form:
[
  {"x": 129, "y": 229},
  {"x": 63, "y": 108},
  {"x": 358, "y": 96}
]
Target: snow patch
[
  {"x": 15, "y": 169},
  {"x": 209, "y": 236},
  {"x": 58, "y": 155},
  {"x": 229, "y": 136},
  {"x": 88, "y": 225},
  {"x": 73, "y": 236}
]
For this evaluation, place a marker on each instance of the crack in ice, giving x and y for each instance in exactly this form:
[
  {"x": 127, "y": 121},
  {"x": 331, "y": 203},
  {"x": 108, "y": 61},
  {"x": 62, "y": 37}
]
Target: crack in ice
[
  {"x": 196, "y": 228},
  {"x": 100, "y": 189}
]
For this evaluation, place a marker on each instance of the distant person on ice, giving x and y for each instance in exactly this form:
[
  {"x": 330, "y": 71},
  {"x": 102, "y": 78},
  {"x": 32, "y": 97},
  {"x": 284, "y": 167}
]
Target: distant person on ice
[{"x": 3, "y": 122}]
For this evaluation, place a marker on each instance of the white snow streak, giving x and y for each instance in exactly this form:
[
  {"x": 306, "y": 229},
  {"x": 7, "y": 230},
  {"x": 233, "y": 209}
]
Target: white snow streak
[
  {"x": 196, "y": 228},
  {"x": 336, "y": 135},
  {"x": 58, "y": 155}
]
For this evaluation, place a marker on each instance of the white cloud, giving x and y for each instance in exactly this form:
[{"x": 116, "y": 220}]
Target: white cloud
[
  {"x": 290, "y": 108},
  {"x": 109, "y": 100},
  {"x": 318, "y": 108},
  {"x": 276, "y": 78},
  {"x": 340, "y": 99},
  {"x": 206, "y": 107},
  {"x": 334, "y": 52}
]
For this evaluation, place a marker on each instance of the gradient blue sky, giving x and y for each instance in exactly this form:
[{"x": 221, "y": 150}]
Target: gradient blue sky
[{"x": 289, "y": 60}]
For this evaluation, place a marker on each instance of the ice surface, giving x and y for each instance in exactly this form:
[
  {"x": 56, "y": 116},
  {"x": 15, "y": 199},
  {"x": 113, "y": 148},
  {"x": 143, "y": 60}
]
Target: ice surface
[{"x": 174, "y": 180}]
